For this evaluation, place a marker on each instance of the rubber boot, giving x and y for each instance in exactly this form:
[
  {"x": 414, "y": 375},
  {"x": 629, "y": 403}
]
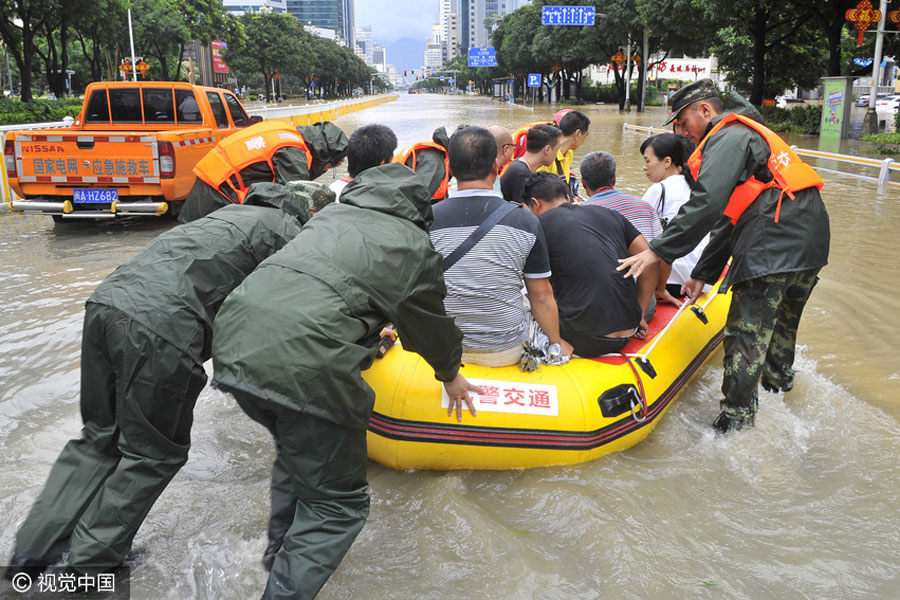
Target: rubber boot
[{"x": 735, "y": 418}]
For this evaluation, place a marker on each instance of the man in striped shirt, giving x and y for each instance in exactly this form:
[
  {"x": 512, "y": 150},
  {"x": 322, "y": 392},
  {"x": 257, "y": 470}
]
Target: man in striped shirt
[
  {"x": 484, "y": 287},
  {"x": 598, "y": 175}
]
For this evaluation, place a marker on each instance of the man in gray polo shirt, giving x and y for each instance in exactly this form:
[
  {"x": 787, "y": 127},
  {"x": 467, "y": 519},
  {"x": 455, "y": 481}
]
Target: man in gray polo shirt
[{"x": 484, "y": 287}]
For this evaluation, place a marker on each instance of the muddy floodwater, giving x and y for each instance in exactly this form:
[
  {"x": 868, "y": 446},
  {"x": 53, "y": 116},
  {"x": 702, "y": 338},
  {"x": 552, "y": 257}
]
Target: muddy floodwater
[{"x": 806, "y": 505}]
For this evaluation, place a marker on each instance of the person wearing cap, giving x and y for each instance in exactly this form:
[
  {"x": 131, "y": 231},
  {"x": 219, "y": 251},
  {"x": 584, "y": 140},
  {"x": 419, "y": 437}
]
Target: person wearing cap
[
  {"x": 762, "y": 207},
  {"x": 290, "y": 344},
  {"x": 147, "y": 333}
]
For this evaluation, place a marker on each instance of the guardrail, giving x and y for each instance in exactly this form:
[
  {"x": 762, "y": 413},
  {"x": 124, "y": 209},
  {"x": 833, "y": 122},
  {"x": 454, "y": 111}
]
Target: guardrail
[
  {"x": 886, "y": 167},
  {"x": 296, "y": 115}
]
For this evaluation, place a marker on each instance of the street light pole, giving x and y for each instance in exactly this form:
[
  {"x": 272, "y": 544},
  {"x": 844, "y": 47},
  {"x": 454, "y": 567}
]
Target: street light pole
[
  {"x": 131, "y": 38},
  {"x": 870, "y": 121}
]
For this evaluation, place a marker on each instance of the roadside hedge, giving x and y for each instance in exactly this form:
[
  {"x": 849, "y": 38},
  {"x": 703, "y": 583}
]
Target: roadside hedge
[
  {"x": 802, "y": 119},
  {"x": 16, "y": 112}
]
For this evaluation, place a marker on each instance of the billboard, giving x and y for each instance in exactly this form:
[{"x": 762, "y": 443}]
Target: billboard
[{"x": 219, "y": 65}]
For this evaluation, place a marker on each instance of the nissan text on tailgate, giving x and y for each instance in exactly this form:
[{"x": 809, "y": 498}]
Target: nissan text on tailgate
[{"x": 131, "y": 150}]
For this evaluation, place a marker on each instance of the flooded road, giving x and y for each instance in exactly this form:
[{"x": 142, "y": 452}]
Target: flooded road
[{"x": 803, "y": 506}]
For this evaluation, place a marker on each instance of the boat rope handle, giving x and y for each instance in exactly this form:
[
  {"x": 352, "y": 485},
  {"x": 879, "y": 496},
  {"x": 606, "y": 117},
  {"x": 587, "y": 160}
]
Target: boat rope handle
[
  {"x": 643, "y": 394},
  {"x": 662, "y": 333}
]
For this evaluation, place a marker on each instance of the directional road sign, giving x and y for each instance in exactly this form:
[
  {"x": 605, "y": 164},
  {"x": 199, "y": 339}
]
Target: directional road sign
[
  {"x": 482, "y": 57},
  {"x": 567, "y": 15},
  {"x": 534, "y": 80}
]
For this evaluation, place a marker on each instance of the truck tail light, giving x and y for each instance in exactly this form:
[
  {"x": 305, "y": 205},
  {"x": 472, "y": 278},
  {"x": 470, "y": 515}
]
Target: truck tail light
[
  {"x": 166, "y": 160},
  {"x": 9, "y": 157}
]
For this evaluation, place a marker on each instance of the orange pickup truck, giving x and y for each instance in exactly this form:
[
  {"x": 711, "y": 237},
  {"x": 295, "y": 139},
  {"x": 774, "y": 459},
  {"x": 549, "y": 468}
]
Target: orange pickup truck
[{"x": 130, "y": 151}]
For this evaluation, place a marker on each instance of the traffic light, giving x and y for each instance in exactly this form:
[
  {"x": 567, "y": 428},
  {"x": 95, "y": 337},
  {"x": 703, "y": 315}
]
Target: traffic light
[{"x": 404, "y": 73}]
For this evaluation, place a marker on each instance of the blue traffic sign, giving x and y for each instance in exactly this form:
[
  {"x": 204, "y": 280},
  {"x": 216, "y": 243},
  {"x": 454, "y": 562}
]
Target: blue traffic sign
[
  {"x": 534, "y": 80},
  {"x": 567, "y": 15},
  {"x": 482, "y": 57}
]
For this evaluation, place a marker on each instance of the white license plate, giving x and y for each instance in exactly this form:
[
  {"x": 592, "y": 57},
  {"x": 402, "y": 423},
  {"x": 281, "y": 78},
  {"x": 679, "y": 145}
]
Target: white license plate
[{"x": 95, "y": 196}]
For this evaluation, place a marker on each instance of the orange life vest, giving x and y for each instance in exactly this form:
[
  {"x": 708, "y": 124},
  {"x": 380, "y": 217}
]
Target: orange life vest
[
  {"x": 408, "y": 157},
  {"x": 790, "y": 174},
  {"x": 520, "y": 137},
  {"x": 257, "y": 143},
  {"x": 503, "y": 169}
]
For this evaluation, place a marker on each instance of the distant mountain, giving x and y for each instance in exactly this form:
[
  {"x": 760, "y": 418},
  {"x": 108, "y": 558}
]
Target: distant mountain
[{"x": 406, "y": 54}]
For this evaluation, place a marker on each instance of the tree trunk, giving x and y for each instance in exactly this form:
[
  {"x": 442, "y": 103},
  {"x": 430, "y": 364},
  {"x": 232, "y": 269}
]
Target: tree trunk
[
  {"x": 758, "y": 35},
  {"x": 640, "y": 89},
  {"x": 835, "y": 30},
  {"x": 620, "y": 86},
  {"x": 26, "y": 64},
  {"x": 177, "y": 76}
]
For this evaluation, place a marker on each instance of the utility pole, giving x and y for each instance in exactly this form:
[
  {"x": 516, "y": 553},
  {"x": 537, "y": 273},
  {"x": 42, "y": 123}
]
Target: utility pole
[
  {"x": 645, "y": 58},
  {"x": 131, "y": 38},
  {"x": 870, "y": 121}
]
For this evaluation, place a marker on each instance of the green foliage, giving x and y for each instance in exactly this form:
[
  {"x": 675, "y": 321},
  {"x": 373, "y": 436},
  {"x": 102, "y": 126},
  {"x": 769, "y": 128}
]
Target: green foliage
[
  {"x": 16, "y": 112},
  {"x": 882, "y": 138},
  {"x": 765, "y": 46},
  {"x": 802, "y": 119}
]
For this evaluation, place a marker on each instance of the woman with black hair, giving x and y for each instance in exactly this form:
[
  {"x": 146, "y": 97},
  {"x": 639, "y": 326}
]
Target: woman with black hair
[{"x": 665, "y": 164}]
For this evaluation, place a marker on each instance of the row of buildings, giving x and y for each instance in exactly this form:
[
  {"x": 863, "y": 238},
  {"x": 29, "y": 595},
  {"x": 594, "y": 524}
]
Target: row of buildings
[
  {"x": 327, "y": 16},
  {"x": 465, "y": 24},
  {"x": 332, "y": 19}
]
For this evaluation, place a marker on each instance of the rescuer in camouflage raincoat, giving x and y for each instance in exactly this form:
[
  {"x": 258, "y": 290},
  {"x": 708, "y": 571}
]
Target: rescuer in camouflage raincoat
[
  {"x": 147, "y": 332},
  {"x": 290, "y": 344},
  {"x": 775, "y": 262},
  {"x": 325, "y": 141}
]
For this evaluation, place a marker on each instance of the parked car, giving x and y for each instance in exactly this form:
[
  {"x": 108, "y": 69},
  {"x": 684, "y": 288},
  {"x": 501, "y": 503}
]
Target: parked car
[
  {"x": 783, "y": 101},
  {"x": 863, "y": 99},
  {"x": 888, "y": 104}
]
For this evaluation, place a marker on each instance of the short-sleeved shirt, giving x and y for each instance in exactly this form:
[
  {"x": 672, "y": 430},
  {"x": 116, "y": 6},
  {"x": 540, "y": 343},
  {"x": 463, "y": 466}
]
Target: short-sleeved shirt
[
  {"x": 513, "y": 181},
  {"x": 639, "y": 212},
  {"x": 585, "y": 243},
  {"x": 677, "y": 192},
  {"x": 484, "y": 288}
]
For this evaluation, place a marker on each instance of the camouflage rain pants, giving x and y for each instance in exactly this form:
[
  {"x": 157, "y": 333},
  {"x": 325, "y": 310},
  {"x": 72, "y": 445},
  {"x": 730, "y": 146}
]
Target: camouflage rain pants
[{"x": 760, "y": 335}]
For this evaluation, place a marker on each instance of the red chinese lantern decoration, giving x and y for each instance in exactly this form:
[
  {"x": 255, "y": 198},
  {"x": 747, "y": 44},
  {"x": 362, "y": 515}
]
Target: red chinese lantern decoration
[
  {"x": 618, "y": 58},
  {"x": 894, "y": 17},
  {"x": 862, "y": 18}
]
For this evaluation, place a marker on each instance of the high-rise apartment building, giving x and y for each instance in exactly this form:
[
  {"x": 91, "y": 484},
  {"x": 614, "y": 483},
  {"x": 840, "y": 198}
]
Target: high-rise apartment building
[
  {"x": 364, "y": 41},
  {"x": 338, "y": 15},
  {"x": 475, "y": 21}
]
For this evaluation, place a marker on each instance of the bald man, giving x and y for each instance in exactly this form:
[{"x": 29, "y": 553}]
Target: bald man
[{"x": 505, "y": 149}]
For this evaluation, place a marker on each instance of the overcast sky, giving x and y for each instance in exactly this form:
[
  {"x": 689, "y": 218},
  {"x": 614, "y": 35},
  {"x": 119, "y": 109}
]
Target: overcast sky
[{"x": 394, "y": 19}]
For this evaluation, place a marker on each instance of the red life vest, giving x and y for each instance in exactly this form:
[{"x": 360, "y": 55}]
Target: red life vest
[
  {"x": 408, "y": 157},
  {"x": 520, "y": 137},
  {"x": 257, "y": 143},
  {"x": 790, "y": 174}
]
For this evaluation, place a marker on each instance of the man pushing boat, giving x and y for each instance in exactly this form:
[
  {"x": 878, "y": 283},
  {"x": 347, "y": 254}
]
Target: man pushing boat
[{"x": 762, "y": 206}]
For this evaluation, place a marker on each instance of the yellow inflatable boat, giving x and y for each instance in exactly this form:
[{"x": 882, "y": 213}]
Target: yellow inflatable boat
[{"x": 556, "y": 415}]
